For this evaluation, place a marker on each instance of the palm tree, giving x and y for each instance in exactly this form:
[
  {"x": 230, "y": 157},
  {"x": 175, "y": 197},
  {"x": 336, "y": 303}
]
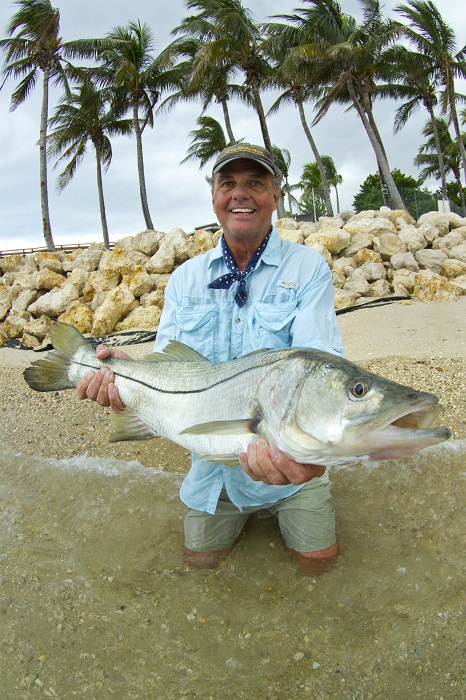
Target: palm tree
[
  {"x": 138, "y": 79},
  {"x": 207, "y": 141},
  {"x": 312, "y": 185},
  {"x": 427, "y": 155},
  {"x": 347, "y": 57},
  {"x": 35, "y": 47},
  {"x": 82, "y": 118},
  {"x": 282, "y": 159},
  {"x": 229, "y": 38},
  {"x": 435, "y": 39},
  {"x": 416, "y": 86}
]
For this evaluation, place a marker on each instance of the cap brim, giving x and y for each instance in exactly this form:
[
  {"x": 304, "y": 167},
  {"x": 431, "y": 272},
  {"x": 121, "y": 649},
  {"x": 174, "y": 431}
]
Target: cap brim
[{"x": 219, "y": 166}]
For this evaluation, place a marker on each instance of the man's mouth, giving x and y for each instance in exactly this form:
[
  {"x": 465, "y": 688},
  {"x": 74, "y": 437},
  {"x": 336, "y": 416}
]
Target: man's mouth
[{"x": 242, "y": 211}]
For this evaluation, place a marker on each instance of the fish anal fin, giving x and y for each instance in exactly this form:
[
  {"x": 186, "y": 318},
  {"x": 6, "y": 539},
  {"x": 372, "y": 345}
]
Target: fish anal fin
[
  {"x": 126, "y": 425},
  {"x": 226, "y": 460},
  {"x": 224, "y": 427}
]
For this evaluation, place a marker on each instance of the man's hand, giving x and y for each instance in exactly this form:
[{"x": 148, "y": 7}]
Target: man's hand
[
  {"x": 263, "y": 462},
  {"x": 99, "y": 386}
]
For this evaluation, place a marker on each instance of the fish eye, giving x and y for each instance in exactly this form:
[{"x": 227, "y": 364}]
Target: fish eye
[{"x": 359, "y": 389}]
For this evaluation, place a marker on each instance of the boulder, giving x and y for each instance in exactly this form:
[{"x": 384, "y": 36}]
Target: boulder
[
  {"x": 117, "y": 304},
  {"x": 452, "y": 268},
  {"x": 294, "y": 235},
  {"x": 403, "y": 282},
  {"x": 460, "y": 282},
  {"x": 357, "y": 243},
  {"x": 141, "y": 317},
  {"x": 54, "y": 302},
  {"x": 357, "y": 283},
  {"x": 87, "y": 259},
  {"x": 375, "y": 226},
  {"x": 459, "y": 252},
  {"x": 139, "y": 282},
  {"x": 12, "y": 263},
  {"x": 200, "y": 242},
  {"x": 319, "y": 248},
  {"x": 5, "y": 301},
  {"x": 401, "y": 261},
  {"x": 334, "y": 239},
  {"x": 432, "y": 287},
  {"x": 373, "y": 271},
  {"x": 24, "y": 299},
  {"x": 148, "y": 241},
  {"x": 387, "y": 244},
  {"x": 430, "y": 259},
  {"x": 344, "y": 298},
  {"x": 178, "y": 239},
  {"x": 379, "y": 288},
  {"x": 163, "y": 260},
  {"x": 100, "y": 281},
  {"x": 366, "y": 255},
  {"x": 412, "y": 238},
  {"x": 38, "y": 327},
  {"x": 286, "y": 223},
  {"x": 437, "y": 219},
  {"x": 78, "y": 315},
  {"x": 48, "y": 279},
  {"x": 51, "y": 261}
]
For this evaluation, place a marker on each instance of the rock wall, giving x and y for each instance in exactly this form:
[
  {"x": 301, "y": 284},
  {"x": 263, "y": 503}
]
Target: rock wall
[{"x": 371, "y": 254}]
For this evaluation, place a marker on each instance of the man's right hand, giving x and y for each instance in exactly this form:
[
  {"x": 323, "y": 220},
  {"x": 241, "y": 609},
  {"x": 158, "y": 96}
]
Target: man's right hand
[{"x": 99, "y": 386}]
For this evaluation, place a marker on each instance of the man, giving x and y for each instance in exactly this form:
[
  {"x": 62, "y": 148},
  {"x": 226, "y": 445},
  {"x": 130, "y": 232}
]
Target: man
[{"x": 252, "y": 291}]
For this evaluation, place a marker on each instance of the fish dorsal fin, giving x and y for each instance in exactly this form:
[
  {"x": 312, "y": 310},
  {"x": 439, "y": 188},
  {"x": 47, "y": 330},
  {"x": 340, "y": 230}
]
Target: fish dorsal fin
[
  {"x": 175, "y": 351},
  {"x": 256, "y": 352}
]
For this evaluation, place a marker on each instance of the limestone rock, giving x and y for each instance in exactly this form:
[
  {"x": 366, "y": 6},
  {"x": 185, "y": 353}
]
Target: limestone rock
[
  {"x": 291, "y": 234},
  {"x": 14, "y": 324},
  {"x": 38, "y": 327},
  {"x": 286, "y": 223},
  {"x": 78, "y": 277},
  {"x": 334, "y": 239},
  {"x": 29, "y": 341},
  {"x": 401, "y": 261},
  {"x": 396, "y": 216},
  {"x": 155, "y": 298},
  {"x": 373, "y": 271},
  {"x": 455, "y": 220},
  {"x": 403, "y": 282},
  {"x": 357, "y": 243},
  {"x": 459, "y": 252},
  {"x": 357, "y": 283},
  {"x": 460, "y": 282},
  {"x": 178, "y": 239},
  {"x": 339, "y": 278},
  {"x": 87, "y": 259},
  {"x": 78, "y": 315},
  {"x": 379, "y": 288},
  {"x": 347, "y": 265},
  {"x": 24, "y": 299},
  {"x": 432, "y": 287},
  {"x": 438, "y": 219},
  {"x": 412, "y": 238},
  {"x": 366, "y": 255},
  {"x": 118, "y": 260},
  {"x": 101, "y": 281},
  {"x": 48, "y": 279},
  {"x": 12, "y": 263},
  {"x": 307, "y": 227},
  {"x": 375, "y": 226},
  {"x": 448, "y": 242},
  {"x": 387, "y": 244},
  {"x": 54, "y": 302},
  {"x": 344, "y": 298},
  {"x": 330, "y": 222},
  {"x": 429, "y": 231},
  {"x": 430, "y": 259},
  {"x": 115, "y": 307},
  {"x": 52, "y": 261},
  {"x": 453, "y": 268},
  {"x": 200, "y": 242},
  {"x": 141, "y": 317},
  {"x": 319, "y": 248},
  {"x": 148, "y": 241},
  {"x": 5, "y": 301},
  {"x": 139, "y": 282},
  {"x": 163, "y": 260}
]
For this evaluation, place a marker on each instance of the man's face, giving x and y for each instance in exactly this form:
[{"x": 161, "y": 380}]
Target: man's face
[{"x": 244, "y": 199}]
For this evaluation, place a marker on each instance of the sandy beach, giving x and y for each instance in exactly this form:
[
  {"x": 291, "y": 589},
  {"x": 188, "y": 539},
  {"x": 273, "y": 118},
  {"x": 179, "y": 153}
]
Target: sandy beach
[{"x": 97, "y": 604}]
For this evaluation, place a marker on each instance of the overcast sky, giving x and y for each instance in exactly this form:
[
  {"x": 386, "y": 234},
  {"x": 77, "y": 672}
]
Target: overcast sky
[{"x": 178, "y": 194}]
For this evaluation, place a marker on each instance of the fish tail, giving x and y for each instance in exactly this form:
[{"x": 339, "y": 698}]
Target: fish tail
[{"x": 51, "y": 373}]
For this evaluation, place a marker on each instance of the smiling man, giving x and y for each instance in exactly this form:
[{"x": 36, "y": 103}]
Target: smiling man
[{"x": 252, "y": 291}]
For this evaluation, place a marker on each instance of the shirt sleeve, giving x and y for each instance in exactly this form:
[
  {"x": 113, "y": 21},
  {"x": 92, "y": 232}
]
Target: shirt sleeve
[
  {"x": 315, "y": 324},
  {"x": 167, "y": 326}
]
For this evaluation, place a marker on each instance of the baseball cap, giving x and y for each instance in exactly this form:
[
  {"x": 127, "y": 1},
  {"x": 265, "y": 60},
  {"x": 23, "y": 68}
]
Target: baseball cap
[{"x": 244, "y": 150}]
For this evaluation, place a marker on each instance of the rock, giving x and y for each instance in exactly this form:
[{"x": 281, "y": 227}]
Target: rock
[
  {"x": 12, "y": 263},
  {"x": 366, "y": 255},
  {"x": 432, "y": 287},
  {"x": 14, "y": 324},
  {"x": 373, "y": 271},
  {"x": 78, "y": 277},
  {"x": 48, "y": 279},
  {"x": 347, "y": 265},
  {"x": 344, "y": 298},
  {"x": 139, "y": 282},
  {"x": 460, "y": 282},
  {"x": 379, "y": 288},
  {"x": 29, "y": 341},
  {"x": 118, "y": 260},
  {"x": 115, "y": 307},
  {"x": 5, "y": 301},
  {"x": 387, "y": 244},
  {"x": 334, "y": 239},
  {"x": 178, "y": 239},
  {"x": 397, "y": 216},
  {"x": 448, "y": 242},
  {"x": 54, "y": 302},
  {"x": 155, "y": 298},
  {"x": 200, "y": 242},
  {"x": 455, "y": 220},
  {"x": 293, "y": 235},
  {"x": 331, "y": 222},
  {"x": 339, "y": 278},
  {"x": 430, "y": 259},
  {"x": 51, "y": 261},
  {"x": 141, "y": 317},
  {"x": 357, "y": 283},
  {"x": 429, "y": 231},
  {"x": 163, "y": 260},
  {"x": 452, "y": 268},
  {"x": 403, "y": 282},
  {"x": 412, "y": 238},
  {"x": 101, "y": 281},
  {"x": 307, "y": 227},
  {"x": 88, "y": 259},
  {"x": 459, "y": 252},
  {"x": 401, "y": 261},
  {"x": 78, "y": 315},
  {"x": 24, "y": 299},
  {"x": 38, "y": 327},
  {"x": 357, "y": 243},
  {"x": 375, "y": 226},
  {"x": 437, "y": 219},
  {"x": 286, "y": 223},
  {"x": 148, "y": 241}
]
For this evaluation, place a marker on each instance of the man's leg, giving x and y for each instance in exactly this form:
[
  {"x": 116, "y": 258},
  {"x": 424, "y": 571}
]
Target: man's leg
[
  {"x": 209, "y": 538},
  {"x": 307, "y": 524}
]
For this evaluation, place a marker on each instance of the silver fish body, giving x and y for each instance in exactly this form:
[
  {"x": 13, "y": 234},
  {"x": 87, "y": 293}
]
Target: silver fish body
[{"x": 317, "y": 407}]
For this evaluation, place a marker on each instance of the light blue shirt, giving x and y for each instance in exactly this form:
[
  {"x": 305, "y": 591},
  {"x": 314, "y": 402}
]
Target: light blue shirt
[{"x": 290, "y": 303}]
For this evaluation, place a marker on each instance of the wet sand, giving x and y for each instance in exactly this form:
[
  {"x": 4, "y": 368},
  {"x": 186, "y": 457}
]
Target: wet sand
[{"x": 96, "y": 603}]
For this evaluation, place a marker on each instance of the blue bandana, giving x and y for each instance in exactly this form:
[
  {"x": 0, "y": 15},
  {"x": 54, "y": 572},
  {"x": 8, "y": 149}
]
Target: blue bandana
[{"x": 235, "y": 274}]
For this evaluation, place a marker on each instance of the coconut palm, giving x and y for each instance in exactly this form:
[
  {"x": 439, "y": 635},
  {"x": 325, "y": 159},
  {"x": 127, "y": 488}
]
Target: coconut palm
[
  {"x": 427, "y": 155},
  {"x": 348, "y": 56},
  {"x": 83, "y": 118},
  {"x": 435, "y": 39},
  {"x": 139, "y": 79},
  {"x": 282, "y": 159},
  {"x": 229, "y": 38},
  {"x": 207, "y": 141},
  {"x": 34, "y": 46}
]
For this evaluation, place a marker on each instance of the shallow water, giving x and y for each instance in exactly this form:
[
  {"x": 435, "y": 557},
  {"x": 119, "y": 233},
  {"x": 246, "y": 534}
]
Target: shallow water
[{"x": 95, "y": 602}]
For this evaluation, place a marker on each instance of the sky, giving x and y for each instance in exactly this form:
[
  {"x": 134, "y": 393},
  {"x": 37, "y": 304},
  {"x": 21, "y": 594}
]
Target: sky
[{"x": 178, "y": 194}]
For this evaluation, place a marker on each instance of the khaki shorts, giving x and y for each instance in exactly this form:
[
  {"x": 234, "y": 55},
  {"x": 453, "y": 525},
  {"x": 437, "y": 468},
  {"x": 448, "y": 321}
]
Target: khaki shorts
[{"x": 306, "y": 519}]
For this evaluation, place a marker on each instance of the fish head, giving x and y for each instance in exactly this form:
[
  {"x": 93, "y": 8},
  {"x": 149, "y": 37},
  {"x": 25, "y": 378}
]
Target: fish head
[{"x": 351, "y": 412}]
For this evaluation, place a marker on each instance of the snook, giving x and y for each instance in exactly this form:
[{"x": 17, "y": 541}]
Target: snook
[{"x": 316, "y": 407}]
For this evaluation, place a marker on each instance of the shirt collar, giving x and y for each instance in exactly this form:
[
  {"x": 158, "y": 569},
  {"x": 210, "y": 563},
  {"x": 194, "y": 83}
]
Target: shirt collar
[{"x": 270, "y": 256}]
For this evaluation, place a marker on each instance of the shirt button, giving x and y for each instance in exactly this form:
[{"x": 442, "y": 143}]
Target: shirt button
[{"x": 237, "y": 320}]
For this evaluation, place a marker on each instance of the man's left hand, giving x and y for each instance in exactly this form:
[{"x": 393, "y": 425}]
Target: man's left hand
[{"x": 263, "y": 462}]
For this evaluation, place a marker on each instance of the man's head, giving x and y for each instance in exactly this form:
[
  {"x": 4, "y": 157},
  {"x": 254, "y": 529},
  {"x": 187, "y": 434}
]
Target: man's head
[{"x": 244, "y": 192}]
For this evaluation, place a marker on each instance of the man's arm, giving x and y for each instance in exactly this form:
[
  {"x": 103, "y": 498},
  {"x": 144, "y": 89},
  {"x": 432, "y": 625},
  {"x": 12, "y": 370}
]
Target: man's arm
[{"x": 99, "y": 386}]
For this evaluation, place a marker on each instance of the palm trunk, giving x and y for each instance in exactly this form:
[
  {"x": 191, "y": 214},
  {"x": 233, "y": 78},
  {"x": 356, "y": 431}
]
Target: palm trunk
[
  {"x": 338, "y": 199},
  {"x": 320, "y": 165},
  {"x": 142, "y": 179},
  {"x": 261, "y": 114},
  {"x": 441, "y": 163},
  {"x": 100, "y": 189},
  {"x": 456, "y": 126},
  {"x": 378, "y": 150},
  {"x": 44, "y": 197},
  {"x": 226, "y": 117}
]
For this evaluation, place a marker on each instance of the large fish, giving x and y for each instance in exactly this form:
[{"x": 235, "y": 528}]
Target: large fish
[{"x": 317, "y": 407}]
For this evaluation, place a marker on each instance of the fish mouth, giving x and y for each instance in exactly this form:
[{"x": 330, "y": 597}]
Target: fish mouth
[{"x": 408, "y": 431}]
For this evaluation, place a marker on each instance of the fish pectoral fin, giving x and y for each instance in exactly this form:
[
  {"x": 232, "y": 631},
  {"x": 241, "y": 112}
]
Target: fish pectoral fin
[
  {"x": 224, "y": 427},
  {"x": 175, "y": 351},
  {"x": 227, "y": 460},
  {"x": 126, "y": 425}
]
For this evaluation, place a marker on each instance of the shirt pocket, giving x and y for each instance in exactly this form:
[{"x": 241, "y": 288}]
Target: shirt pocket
[
  {"x": 271, "y": 324},
  {"x": 196, "y": 328}
]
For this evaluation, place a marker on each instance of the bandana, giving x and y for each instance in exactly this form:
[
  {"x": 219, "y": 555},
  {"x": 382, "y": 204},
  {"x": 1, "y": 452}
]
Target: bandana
[{"x": 235, "y": 274}]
